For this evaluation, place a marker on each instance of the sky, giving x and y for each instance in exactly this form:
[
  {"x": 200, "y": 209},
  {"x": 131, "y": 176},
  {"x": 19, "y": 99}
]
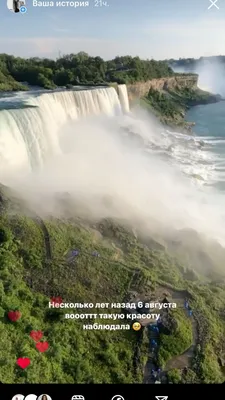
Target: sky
[{"x": 158, "y": 29}]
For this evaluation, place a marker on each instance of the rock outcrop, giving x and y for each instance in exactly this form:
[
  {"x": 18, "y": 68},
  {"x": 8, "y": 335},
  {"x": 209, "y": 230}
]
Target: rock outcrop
[{"x": 141, "y": 89}]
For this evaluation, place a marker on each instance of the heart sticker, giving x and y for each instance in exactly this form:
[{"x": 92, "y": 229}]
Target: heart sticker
[
  {"x": 23, "y": 362},
  {"x": 56, "y": 300},
  {"x": 42, "y": 346},
  {"x": 14, "y": 315},
  {"x": 36, "y": 335}
]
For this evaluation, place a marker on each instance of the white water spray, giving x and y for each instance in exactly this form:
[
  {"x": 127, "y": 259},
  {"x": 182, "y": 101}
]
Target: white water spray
[
  {"x": 112, "y": 165},
  {"x": 211, "y": 74},
  {"x": 29, "y": 137},
  {"x": 123, "y": 96}
]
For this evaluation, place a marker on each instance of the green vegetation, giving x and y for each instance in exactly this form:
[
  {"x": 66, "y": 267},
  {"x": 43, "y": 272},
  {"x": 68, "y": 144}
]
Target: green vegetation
[
  {"x": 30, "y": 275},
  {"x": 8, "y": 83},
  {"x": 163, "y": 104},
  {"x": 170, "y": 104},
  {"x": 190, "y": 97},
  {"x": 178, "y": 341},
  {"x": 75, "y": 355},
  {"x": 175, "y": 376},
  {"x": 77, "y": 69}
]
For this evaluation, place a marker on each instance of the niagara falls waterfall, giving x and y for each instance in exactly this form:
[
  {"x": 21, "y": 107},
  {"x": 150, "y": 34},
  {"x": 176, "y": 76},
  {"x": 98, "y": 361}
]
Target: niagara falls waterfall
[
  {"x": 29, "y": 136},
  {"x": 111, "y": 161}
]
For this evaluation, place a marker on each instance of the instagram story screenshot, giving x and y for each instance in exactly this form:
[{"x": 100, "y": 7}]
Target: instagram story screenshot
[{"x": 112, "y": 194}]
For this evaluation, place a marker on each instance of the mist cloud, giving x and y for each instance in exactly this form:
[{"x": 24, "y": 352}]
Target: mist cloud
[{"x": 107, "y": 174}]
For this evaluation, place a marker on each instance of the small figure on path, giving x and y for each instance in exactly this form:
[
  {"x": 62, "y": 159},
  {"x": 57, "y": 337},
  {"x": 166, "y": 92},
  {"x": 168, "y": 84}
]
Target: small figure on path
[
  {"x": 95, "y": 254},
  {"x": 186, "y": 304},
  {"x": 75, "y": 253}
]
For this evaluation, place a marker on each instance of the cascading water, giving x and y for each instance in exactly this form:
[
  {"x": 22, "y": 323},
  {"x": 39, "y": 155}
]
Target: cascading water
[
  {"x": 123, "y": 96},
  {"x": 29, "y": 136},
  {"x": 56, "y": 144}
]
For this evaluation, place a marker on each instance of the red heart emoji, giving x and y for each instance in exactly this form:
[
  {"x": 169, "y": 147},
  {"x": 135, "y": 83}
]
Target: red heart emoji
[
  {"x": 23, "y": 362},
  {"x": 42, "y": 346},
  {"x": 56, "y": 300},
  {"x": 14, "y": 315},
  {"x": 36, "y": 335}
]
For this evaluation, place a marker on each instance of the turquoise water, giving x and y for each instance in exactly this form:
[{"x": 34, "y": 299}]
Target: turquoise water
[
  {"x": 209, "y": 119},
  {"x": 210, "y": 127}
]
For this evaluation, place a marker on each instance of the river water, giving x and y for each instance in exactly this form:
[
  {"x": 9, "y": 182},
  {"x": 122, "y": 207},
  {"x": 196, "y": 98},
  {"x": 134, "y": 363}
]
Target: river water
[{"x": 210, "y": 127}]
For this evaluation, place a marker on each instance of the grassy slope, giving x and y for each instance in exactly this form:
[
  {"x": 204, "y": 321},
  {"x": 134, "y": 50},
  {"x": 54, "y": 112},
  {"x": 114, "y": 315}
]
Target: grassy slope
[{"x": 77, "y": 356}]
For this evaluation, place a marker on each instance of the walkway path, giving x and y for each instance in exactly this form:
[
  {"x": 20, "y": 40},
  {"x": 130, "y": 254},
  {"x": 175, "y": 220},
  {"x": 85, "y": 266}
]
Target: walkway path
[
  {"x": 47, "y": 242},
  {"x": 151, "y": 363}
]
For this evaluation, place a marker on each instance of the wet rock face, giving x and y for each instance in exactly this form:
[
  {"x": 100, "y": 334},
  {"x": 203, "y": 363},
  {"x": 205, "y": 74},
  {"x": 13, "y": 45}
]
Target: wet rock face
[{"x": 140, "y": 89}]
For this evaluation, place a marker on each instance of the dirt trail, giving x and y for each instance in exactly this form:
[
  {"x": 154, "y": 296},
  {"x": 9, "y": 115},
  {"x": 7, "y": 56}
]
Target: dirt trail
[
  {"x": 151, "y": 363},
  {"x": 47, "y": 242}
]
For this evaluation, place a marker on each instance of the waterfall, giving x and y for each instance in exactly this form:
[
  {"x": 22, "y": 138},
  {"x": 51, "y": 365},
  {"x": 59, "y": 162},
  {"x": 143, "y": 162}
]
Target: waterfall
[
  {"x": 29, "y": 136},
  {"x": 123, "y": 96}
]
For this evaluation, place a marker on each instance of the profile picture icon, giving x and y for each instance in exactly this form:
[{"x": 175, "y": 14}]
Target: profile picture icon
[
  {"x": 18, "y": 397},
  {"x": 16, "y": 5},
  {"x": 44, "y": 397}
]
